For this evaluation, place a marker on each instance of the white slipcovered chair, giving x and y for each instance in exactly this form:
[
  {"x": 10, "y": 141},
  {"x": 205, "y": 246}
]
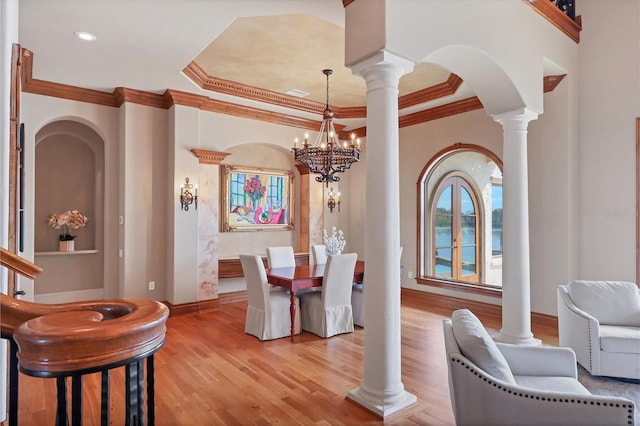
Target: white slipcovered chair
[
  {"x": 328, "y": 312},
  {"x": 600, "y": 321},
  {"x": 500, "y": 384},
  {"x": 318, "y": 254},
  {"x": 281, "y": 257},
  {"x": 268, "y": 315}
]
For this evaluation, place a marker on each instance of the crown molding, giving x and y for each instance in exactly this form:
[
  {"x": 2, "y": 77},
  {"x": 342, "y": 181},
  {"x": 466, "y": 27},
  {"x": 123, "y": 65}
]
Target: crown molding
[
  {"x": 209, "y": 157},
  {"x": 346, "y": 3},
  {"x": 194, "y": 72},
  {"x": 550, "y": 82},
  {"x": 124, "y": 94},
  {"x": 440, "y": 90},
  {"x": 172, "y": 97}
]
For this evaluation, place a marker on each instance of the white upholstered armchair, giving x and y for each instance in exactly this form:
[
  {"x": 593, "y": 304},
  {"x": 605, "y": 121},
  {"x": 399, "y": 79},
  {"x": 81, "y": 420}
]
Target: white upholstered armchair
[
  {"x": 500, "y": 384},
  {"x": 600, "y": 321}
]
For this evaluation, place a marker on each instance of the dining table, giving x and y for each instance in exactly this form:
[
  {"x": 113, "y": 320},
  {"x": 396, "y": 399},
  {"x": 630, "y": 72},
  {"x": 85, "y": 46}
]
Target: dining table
[{"x": 299, "y": 277}]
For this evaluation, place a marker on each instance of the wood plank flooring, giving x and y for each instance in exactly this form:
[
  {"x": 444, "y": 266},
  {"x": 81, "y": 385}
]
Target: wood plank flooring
[{"x": 211, "y": 373}]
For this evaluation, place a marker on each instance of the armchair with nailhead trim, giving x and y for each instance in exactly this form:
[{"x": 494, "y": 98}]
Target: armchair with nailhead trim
[{"x": 520, "y": 385}]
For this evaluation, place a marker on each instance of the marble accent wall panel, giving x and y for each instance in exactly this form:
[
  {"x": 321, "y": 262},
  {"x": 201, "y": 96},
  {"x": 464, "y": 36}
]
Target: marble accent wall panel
[
  {"x": 208, "y": 235},
  {"x": 316, "y": 212}
]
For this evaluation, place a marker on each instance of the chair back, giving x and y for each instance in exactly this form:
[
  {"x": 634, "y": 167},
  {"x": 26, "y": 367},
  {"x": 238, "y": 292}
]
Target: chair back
[
  {"x": 318, "y": 254},
  {"x": 256, "y": 277},
  {"x": 281, "y": 257},
  {"x": 338, "y": 279}
]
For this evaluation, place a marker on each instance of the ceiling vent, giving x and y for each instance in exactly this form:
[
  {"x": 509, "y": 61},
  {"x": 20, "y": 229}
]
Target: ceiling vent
[{"x": 297, "y": 93}]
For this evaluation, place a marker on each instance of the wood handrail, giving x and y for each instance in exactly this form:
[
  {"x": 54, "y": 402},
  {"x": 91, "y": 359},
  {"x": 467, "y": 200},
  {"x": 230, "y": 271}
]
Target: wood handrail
[
  {"x": 58, "y": 338},
  {"x": 18, "y": 264}
]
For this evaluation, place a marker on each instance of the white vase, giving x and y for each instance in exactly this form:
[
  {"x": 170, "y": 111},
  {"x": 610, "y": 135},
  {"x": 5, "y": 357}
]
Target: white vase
[
  {"x": 68, "y": 245},
  {"x": 329, "y": 253}
]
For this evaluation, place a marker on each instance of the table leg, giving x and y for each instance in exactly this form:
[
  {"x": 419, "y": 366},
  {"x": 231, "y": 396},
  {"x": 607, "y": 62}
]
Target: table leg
[{"x": 292, "y": 309}]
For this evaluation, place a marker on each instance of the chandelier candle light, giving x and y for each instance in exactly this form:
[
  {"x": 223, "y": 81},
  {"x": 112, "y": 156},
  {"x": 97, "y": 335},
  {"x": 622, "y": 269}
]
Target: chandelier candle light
[{"x": 327, "y": 156}]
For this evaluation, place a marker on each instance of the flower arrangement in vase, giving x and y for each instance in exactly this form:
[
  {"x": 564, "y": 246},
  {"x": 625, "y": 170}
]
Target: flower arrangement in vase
[
  {"x": 71, "y": 219},
  {"x": 334, "y": 243},
  {"x": 255, "y": 190}
]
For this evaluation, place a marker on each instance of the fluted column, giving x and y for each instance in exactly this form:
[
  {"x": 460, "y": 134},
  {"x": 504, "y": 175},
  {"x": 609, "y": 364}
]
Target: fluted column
[
  {"x": 382, "y": 390},
  {"x": 516, "y": 294}
]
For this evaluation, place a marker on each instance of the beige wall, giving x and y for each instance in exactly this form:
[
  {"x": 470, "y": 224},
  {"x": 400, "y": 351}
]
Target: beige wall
[{"x": 609, "y": 104}]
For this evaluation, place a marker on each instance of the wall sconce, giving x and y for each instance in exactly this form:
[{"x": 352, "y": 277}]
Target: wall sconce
[
  {"x": 332, "y": 203},
  {"x": 186, "y": 197}
]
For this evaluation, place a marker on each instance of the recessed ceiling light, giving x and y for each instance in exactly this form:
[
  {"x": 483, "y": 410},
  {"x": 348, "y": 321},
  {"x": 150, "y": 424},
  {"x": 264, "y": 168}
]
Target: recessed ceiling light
[
  {"x": 297, "y": 93},
  {"x": 84, "y": 35}
]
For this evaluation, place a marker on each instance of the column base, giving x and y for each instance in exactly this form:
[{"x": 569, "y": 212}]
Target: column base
[
  {"x": 400, "y": 402},
  {"x": 517, "y": 340}
]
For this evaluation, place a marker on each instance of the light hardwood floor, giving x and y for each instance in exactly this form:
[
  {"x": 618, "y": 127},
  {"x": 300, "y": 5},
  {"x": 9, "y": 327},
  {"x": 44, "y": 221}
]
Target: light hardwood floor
[{"x": 211, "y": 373}]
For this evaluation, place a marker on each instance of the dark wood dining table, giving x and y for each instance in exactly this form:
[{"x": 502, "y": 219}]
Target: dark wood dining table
[{"x": 301, "y": 277}]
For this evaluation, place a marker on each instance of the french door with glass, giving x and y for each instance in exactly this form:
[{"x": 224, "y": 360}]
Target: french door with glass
[{"x": 455, "y": 232}]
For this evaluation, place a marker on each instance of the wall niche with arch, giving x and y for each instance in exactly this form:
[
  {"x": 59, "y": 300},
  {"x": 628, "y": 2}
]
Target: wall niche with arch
[{"x": 69, "y": 175}]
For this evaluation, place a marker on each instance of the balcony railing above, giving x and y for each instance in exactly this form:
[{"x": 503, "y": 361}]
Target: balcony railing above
[
  {"x": 568, "y": 7},
  {"x": 561, "y": 13}
]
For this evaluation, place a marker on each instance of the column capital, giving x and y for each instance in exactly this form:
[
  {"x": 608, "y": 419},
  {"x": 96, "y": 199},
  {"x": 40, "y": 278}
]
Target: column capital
[
  {"x": 382, "y": 64},
  {"x": 518, "y": 118}
]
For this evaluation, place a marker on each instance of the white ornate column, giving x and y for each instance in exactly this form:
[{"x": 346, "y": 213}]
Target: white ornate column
[
  {"x": 516, "y": 295},
  {"x": 382, "y": 390},
  {"x": 208, "y": 222}
]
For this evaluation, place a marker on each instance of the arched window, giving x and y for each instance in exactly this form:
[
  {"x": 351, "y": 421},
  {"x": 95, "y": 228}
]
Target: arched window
[{"x": 460, "y": 225}]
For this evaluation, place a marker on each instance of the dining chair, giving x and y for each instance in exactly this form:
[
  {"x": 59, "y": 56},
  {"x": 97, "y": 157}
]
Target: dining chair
[
  {"x": 268, "y": 316},
  {"x": 318, "y": 254},
  {"x": 281, "y": 257},
  {"x": 357, "y": 300},
  {"x": 328, "y": 312}
]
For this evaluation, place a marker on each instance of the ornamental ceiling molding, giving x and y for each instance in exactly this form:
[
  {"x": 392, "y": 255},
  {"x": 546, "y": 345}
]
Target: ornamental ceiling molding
[{"x": 196, "y": 74}]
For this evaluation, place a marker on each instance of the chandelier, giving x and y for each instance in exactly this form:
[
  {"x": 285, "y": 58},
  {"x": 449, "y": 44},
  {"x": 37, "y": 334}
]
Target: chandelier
[{"x": 327, "y": 156}]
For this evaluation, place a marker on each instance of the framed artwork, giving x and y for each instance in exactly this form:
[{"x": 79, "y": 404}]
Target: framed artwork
[{"x": 256, "y": 199}]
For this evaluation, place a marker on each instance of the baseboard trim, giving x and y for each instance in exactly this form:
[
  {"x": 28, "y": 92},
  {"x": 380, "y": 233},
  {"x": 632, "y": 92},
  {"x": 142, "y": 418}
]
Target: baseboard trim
[
  {"x": 192, "y": 307},
  {"x": 447, "y": 304},
  {"x": 450, "y": 304},
  {"x": 233, "y": 297},
  {"x": 70, "y": 296}
]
